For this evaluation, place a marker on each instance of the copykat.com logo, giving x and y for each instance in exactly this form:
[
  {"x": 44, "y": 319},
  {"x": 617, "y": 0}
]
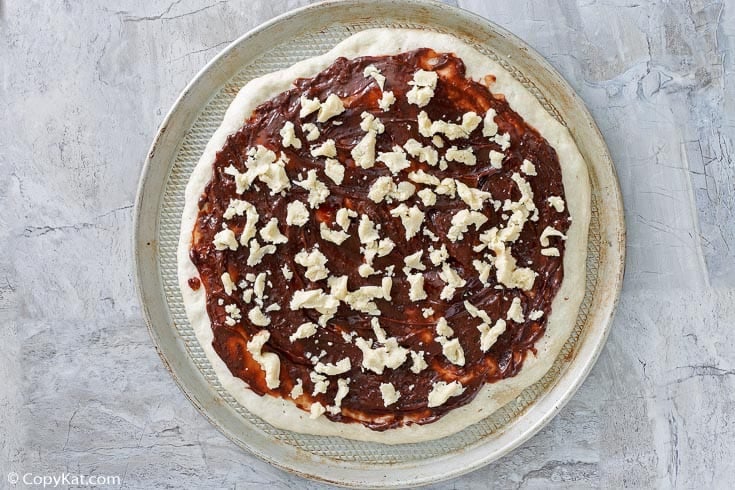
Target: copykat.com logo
[{"x": 29, "y": 479}]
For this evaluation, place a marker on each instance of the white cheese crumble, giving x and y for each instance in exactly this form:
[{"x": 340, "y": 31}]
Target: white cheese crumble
[
  {"x": 341, "y": 366},
  {"x": 389, "y": 394},
  {"x": 257, "y": 252},
  {"x": 439, "y": 255},
  {"x": 287, "y": 274},
  {"x": 557, "y": 203},
  {"x": 334, "y": 170},
  {"x": 296, "y": 214},
  {"x": 258, "y": 318},
  {"x": 447, "y": 187},
  {"x": 442, "y": 391},
  {"x": 535, "y": 314},
  {"x": 316, "y": 410},
  {"x": 528, "y": 168},
  {"x": 315, "y": 263},
  {"x": 228, "y": 283},
  {"x": 452, "y": 131},
  {"x": 515, "y": 311},
  {"x": 304, "y": 331},
  {"x": 311, "y": 130},
  {"x": 271, "y": 234},
  {"x": 364, "y": 152},
  {"x": 268, "y": 361},
  {"x": 334, "y": 236},
  {"x": 461, "y": 222},
  {"x": 297, "y": 390},
  {"x": 550, "y": 252},
  {"x": 452, "y": 350},
  {"x": 366, "y": 230},
  {"x": 488, "y": 335},
  {"x": 425, "y": 154},
  {"x": 374, "y": 72},
  {"x": 326, "y": 149},
  {"x": 466, "y": 156},
  {"x": 452, "y": 279},
  {"x": 387, "y": 100},
  {"x": 427, "y": 312},
  {"x": 308, "y": 106},
  {"x": 318, "y": 192},
  {"x": 416, "y": 291},
  {"x": 395, "y": 160},
  {"x": 483, "y": 269},
  {"x": 389, "y": 355},
  {"x": 412, "y": 218},
  {"x": 413, "y": 261},
  {"x": 331, "y": 107},
  {"x": 427, "y": 197},
  {"x": 288, "y": 136},
  {"x": 421, "y": 177},
  {"x": 342, "y": 218},
  {"x": 443, "y": 329},
  {"x": 471, "y": 196},
  {"x": 548, "y": 232},
  {"x": 489, "y": 128},
  {"x": 418, "y": 363},
  {"x": 316, "y": 299},
  {"x": 424, "y": 83},
  {"x": 225, "y": 239},
  {"x": 496, "y": 159},
  {"x": 233, "y": 314}
]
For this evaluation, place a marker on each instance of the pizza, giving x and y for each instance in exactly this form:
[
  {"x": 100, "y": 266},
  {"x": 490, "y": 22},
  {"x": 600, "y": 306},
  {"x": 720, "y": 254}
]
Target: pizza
[{"x": 386, "y": 242}]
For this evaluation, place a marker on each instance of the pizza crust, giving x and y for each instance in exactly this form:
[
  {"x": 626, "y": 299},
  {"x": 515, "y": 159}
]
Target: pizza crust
[{"x": 284, "y": 413}]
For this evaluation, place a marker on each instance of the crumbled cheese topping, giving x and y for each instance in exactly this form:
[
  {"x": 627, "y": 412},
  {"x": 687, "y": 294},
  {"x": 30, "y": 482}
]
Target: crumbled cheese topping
[
  {"x": 318, "y": 192},
  {"x": 535, "y": 315},
  {"x": 343, "y": 388},
  {"x": 268, "y": 361},
  {"x": 271, "y": 234},
  {"x": 515, "y": 312},
  {"x": 334, "y": 170},
  {"x": 296, "y": 214},
  {"x": 424, "y": 83},
  {"x": 311, "y": 131},
  {"x": 439, "y": 255},
  {"x": 304, "y": 331},
  {"x": 341, "y": 366},
  {"x": 315, "y": 263},
  {"x": 233, "y": 314},
  {"x": 442, "y": 391},
  {"x": 418, "y": 363},
  {"x": 528, "y": 168},
  {"x": 452, "y": 350},
  {"x": 425, "y": 154},
  {"x": 225, "y": 239},
  {"x": 489, "y": 128},
  {"x": 443, "y": 329},
  {"x": 557, "y": 203},
  {"x": 288, "y": 136},
  {"x": 421, "y": 177},
  {"x": 496, "y": 159},
  {"x": 297, "y": 390},
  {"x": 342, "y": 218},
  {"x": 308, "y": 106},
  {"x": 427, "y": 197},
  {"x": 374, "y": 72},
  {"x": 334, "y": 236},
  {"x": 316, "y": 410},
  {"x": 474, "y": 198},
  {"x": 461, "y": 222},
  {"x": 364, "y": 152},
  {"x": 548, "y": 232},
  {"x": 390, "y": 355},
  {"x": 257, "y": 252},
  {"x": 550, "y": 252},
  {"x": 326, "y": 149},
  {"x": 413, "y": 261},
  {"x": 389, "y": 394},
  {"x": 387, "y": 100},
  {"x": 451, "y": 131},
  {"x": 466, "y": 156},
  {"x": 331, "y": 107},
  {"x": 228, "y": 283},
  {"x": 395, "y": 160},
  {"x": 416, "y": 292},
  {"x": 412, "y": 218},
  {"x": 488, "y": 335},
  {"x": 258, "y": 318}
]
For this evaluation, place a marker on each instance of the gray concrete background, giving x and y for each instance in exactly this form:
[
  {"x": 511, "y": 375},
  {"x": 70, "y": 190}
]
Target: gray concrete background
[{"x": 84, "y": 86}]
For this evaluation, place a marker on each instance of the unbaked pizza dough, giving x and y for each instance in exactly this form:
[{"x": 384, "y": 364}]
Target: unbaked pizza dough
[{"x": 284, "y": 413}]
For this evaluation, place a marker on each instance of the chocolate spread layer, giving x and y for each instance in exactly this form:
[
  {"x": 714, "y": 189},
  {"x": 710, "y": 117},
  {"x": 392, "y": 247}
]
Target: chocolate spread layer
[{"x": 410, "y": 322}]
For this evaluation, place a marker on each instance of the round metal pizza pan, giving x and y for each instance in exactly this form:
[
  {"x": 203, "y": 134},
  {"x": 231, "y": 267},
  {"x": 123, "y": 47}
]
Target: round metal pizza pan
[{"x": 196, "y": 114}]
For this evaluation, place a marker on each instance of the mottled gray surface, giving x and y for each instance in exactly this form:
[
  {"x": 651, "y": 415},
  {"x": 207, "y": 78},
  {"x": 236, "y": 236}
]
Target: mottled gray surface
[{"x": 84, "y": 87}]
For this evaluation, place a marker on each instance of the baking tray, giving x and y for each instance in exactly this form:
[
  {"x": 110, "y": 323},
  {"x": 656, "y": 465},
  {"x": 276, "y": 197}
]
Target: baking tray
[{"x": 195, "y": 116}]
